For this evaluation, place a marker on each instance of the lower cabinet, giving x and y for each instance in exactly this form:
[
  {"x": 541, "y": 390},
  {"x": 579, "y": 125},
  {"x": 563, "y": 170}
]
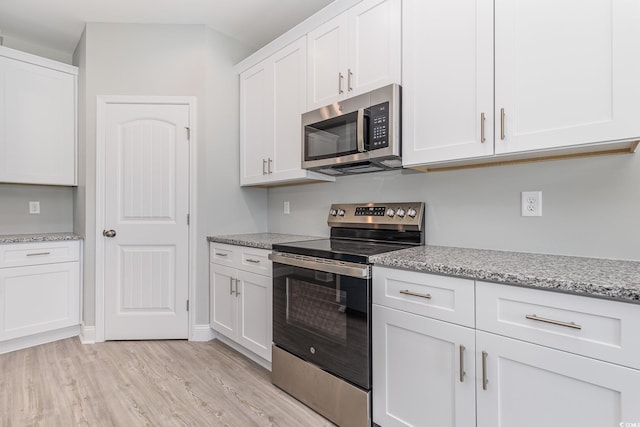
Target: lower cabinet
[{"x": 241, "y": 300}]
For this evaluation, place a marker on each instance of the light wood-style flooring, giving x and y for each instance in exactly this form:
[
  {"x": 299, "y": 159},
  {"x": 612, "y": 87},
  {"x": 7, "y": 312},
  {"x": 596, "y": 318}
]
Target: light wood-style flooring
[{"x": 142, "y": 383}]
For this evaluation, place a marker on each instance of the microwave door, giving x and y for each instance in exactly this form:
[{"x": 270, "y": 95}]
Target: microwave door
[{"x": 332, "y": 138}]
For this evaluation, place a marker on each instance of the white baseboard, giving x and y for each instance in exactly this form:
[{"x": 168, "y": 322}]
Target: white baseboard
[
  {"x": 87, "y": 334},
  {"x": 202, "y": 333},
  {"x": 248, "y": 353},
  {"x": 37, "y": 339}
]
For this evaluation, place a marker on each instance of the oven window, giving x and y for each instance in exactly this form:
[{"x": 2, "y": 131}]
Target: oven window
[{"x": 317, "y": 309}]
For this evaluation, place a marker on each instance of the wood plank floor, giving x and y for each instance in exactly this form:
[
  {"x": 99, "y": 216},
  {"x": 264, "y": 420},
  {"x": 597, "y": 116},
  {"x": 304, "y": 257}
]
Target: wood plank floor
[{"x": 142, "y": 383}]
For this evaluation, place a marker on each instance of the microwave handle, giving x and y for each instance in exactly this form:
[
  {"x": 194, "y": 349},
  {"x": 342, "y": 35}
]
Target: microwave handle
[{"x": 360, "y": 130}]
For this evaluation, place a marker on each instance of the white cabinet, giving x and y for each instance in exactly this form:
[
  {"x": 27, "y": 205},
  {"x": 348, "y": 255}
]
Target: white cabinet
[
  {"x": 423, "y": 367},
  {"x": 355, "y": 52},
  {"x": 37, "y": 120},
  {"x": 272, "y": 100},
  {"x": 39, "y": 288},
  {"x": 241, "y": 296},
  {"x": 564, "y": 80}
]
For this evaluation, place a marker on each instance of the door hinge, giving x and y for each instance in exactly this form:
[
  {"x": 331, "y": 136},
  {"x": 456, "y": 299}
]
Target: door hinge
[
  {"x": 188, "y": 133},
  {"x": 188, "y": 219},
  {"x": 187, "y": 305}
]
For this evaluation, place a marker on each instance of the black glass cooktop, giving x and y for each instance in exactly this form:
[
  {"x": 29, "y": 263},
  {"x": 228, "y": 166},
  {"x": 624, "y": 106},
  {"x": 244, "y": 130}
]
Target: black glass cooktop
[{"x": 340, "y": 249}]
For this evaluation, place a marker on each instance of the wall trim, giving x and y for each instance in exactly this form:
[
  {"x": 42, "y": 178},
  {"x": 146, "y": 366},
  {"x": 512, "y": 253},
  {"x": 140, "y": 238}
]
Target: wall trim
[
  {"x": 38, "y": 339},
  {"x": 202, "y": 333},
  {"x": 87, "y": 334}
]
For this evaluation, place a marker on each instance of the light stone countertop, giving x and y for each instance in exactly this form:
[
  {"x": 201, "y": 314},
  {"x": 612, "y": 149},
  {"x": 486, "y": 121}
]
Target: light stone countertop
[
  {"x": 260, "y": 240},
  {"x": 595, "y": 277},
  {"x": 38, "y": 237}
]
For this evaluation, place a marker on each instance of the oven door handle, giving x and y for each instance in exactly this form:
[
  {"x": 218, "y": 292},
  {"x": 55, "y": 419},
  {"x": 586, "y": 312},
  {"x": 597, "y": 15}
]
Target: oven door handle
[{"x": 351, "y": 269}]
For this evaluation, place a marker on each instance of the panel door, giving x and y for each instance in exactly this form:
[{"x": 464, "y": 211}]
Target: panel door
[
  {"x": 39, "y": 298},
  {"x": 375, "y": 45},
  {"x": 223, "y": 304},
  {"x": 289, "y": 102},
  {"x": 37, "y": 124},
  {"x": 256, "y": 122},
  {"x": 566, "y": 72},
  {"x": 327, "y": 62},
  {"x": 532, "y": 386},
  {"x": 416, "y": 371},
  {"x": 255, "y": 328},
  {"x": 447, "y": 73},
  {"x": 147, "y": 202}
]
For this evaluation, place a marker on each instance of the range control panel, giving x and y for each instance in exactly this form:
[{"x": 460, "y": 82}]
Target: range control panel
[{"x": 407, "y": 216}]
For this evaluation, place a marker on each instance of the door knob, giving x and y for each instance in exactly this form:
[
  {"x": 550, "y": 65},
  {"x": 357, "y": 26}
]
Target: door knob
[{"x": 109, "y": 233}]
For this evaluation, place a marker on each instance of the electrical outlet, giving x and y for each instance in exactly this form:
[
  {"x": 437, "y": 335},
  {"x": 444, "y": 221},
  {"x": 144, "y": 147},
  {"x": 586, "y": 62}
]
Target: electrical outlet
[
  {"x": 287, "y": 208},
  {"x": 532, "y": 203},
  {"x": 34, "y": 207}
]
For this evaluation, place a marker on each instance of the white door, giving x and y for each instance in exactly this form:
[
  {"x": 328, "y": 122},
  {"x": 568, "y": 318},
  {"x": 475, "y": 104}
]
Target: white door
[{"x": 146, "y": 204}]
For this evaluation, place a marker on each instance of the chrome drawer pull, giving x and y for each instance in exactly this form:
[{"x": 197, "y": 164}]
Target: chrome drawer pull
[
  {"x": 413, "y": 294},
  {"x": 255, "y": 261},
  {"x": 39, "y": 254},
  {"x": 217, "y": 254},
  {"x": 571, "y": 325}
]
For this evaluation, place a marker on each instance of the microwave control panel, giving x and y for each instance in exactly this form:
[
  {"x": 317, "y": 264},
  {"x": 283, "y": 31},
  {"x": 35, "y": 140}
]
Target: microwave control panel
[{"x": 379, "y": 125}]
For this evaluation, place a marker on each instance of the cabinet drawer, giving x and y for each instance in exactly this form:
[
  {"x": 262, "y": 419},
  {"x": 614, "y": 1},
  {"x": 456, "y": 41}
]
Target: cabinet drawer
[
  {"x": 602, "y": 329},
  {"x": 222, "y": 254},
  {"x": 445, "y": 298},
  {"x": 255, "y": 261},
  {"x": 23, "y": 254}
]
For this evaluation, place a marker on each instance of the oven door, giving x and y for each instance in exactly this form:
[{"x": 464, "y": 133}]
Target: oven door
[{"x": 321, "y": 313}]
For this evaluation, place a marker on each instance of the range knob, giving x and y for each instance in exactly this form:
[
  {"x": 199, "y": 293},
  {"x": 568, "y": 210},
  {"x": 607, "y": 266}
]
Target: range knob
[
  {"x": 412, "y": 212},
  {"x": 400, "y": 212},
  {"x": 390, "y": 212},
  {"x": 333, "y": 212},
  {"x": 341, "y": 212}
]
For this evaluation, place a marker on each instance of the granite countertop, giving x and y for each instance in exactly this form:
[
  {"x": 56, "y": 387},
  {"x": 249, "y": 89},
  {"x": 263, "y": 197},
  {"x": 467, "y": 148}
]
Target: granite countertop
[
  {"x": 593, "y": 277},
  {"x": 38, "y": 237},
  {"x": 260, "y": 240}
]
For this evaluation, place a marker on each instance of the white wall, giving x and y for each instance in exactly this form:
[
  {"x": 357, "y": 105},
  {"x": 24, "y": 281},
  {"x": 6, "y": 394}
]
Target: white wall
[
  {"x": 181, "y": 60},
  {"x": 590, "y": 206},
  {"x": 56, "y": 209}
]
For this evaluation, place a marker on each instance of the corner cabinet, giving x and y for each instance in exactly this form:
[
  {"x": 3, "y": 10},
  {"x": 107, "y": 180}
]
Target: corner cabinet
[
  {"x": 451, "y": 352},
  {"x": 564, "y": 81},
  {"x": 241, "y": 296},
  {"x": 38, "y": 99},
  {"x": 272, "y": 100},
  {"x": 355, "y": 52}
]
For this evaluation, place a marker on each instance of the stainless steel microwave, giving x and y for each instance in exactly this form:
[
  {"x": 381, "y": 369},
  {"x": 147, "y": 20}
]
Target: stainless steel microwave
[{"x": 357, "y": 135}]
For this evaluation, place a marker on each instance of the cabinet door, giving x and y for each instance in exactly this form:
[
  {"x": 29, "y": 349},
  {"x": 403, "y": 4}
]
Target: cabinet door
[
  {"x": 39, "y": 298},
  {"x": 37, "y": 124},
  {"x": 532, "y": 386},
  {"x": 447, "y": 74},
  {"x": 256, "y": 124},
  {"x": 255, "y": 313},
  {"x": 416, "y": 371},
  {"x": 222, "y": 300},
  {"x": 375, "y": 45},
  {"x": 289, "y": 102},
  {"x": 327, "y": 48},
  {"x": 566, "y": 72}
]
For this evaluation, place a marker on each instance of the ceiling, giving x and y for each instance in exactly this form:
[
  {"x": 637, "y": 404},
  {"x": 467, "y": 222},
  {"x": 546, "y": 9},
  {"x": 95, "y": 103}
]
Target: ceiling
[{"x": 58, "y": 24}]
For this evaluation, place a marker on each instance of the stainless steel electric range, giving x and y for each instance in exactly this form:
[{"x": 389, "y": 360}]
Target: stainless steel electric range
[{"x": 322, "y": 307}]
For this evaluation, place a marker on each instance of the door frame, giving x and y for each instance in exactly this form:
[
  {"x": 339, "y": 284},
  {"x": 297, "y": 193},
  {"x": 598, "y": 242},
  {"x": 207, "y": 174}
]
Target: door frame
[{"x": 101, "y": 107}]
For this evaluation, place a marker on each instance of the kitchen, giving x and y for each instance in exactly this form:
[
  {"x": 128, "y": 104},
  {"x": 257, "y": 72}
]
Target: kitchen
[{"x": 589, "y": 204}]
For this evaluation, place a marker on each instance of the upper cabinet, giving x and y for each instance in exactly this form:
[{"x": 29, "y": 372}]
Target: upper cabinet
[
  {"x": 564, "y": 80},
  {"x": 38, "y": 100},
  {"x": 355, "y": 52},
  {"x": 272, "y": 100}
]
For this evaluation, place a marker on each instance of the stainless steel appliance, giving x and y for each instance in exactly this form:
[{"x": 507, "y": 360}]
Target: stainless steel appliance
[
  {"x": 357, "y": 135},
  {"x": 322, "y": 307}
]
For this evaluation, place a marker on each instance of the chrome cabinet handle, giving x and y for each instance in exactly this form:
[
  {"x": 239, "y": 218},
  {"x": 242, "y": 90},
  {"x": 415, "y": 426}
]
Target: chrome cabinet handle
[
  {"x": 482, "y": 119},
  {"x": 414, "y": 294},
  {"x": 217, "y": 254},
  {"x": 269, "y": 168},
  {"x": 502, "y": 135},
  {"x": 237, "y": 293},
  {"x": 230, "y": 285},
  {"x": 571, "y": 325},
  {"x": 264, "y": 166},
  {"x": 109, "y": 233},
  {"x": 349, "y": 78},
  {"x": 39, "y": 254},
  {"x": 340, "y": 78},
  {"x": 462, "y": 372},
  {"x": 485, "y": 381},
  {"x": 255, "y": 261}
]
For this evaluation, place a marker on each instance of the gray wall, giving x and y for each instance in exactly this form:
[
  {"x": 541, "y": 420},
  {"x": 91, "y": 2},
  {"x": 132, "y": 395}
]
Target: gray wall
[
  {"x": 181, "y": 60},
  {"x": 56, "y": 209},
  {"x": 590, "y": 206}
]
